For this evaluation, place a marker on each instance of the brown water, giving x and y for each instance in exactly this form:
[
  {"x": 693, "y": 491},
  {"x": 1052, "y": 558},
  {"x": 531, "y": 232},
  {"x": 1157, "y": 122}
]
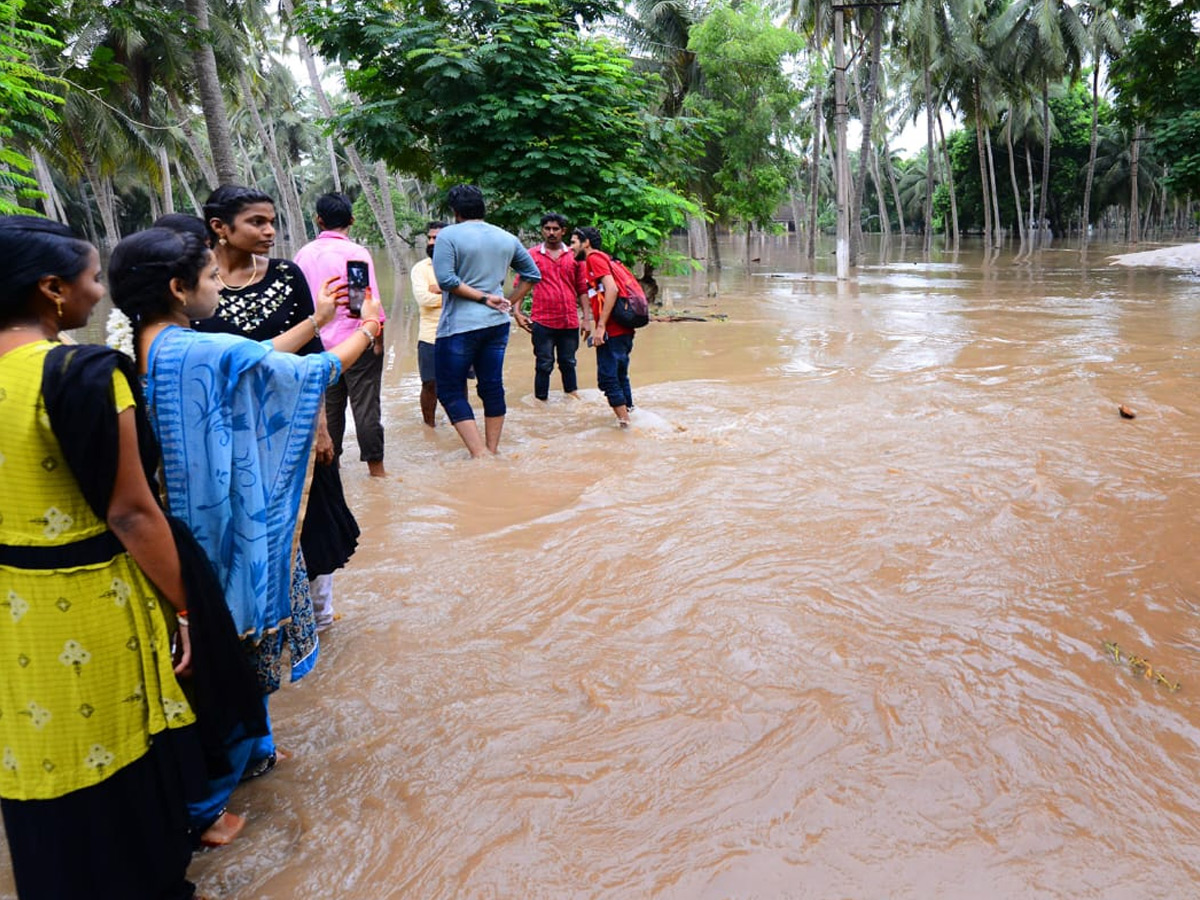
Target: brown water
[{"x": 827, "y": 623}]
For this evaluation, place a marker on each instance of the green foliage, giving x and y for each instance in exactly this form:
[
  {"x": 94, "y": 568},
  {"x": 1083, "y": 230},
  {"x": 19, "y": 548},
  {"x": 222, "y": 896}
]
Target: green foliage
[
  {"x": 409, "y": 224},
  {"x": 1071, "y": 112},
  {"x": 509, "y": 96},
  {"x": 1177, "y": 140},
  {"x": 26, "y": 110},
  {"x": 1157, "y": 81},
  {"x": 747, "y": 105}
]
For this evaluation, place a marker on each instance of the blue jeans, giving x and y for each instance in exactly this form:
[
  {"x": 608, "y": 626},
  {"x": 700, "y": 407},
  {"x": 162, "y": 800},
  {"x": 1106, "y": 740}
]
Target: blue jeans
[
  {"x": 454, "y": 356},
  {"x": 612, "y": 369},
  {"x": 548, "y": 343}
]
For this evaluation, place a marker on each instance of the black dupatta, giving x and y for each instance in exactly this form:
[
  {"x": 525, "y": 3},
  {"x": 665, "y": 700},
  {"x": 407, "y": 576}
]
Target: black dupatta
[{"x": 77, "y": 389}]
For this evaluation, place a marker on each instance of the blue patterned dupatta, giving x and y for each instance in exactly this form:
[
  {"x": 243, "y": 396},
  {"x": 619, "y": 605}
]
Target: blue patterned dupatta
[{"x": 236, "y": 423}]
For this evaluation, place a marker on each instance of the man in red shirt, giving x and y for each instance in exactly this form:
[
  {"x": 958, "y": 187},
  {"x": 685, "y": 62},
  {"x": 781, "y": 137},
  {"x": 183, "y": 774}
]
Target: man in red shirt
[
  {"x": 613, "y": 342},
  {"x": 557, "y": 301}
]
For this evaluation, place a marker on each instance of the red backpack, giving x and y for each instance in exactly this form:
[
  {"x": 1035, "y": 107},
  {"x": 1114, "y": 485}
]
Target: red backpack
[{"x": 632, "y": 309}]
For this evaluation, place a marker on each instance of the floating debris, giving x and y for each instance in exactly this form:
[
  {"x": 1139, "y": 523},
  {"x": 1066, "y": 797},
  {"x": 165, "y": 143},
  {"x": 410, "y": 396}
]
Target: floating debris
[
  {"x": 688, "y": 316},
  {"x": 1139, "y": 666},
  {"x": 1126, "y": 412}
]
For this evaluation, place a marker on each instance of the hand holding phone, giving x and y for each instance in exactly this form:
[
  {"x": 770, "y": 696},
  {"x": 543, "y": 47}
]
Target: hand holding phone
[{"x": 358, "y": 276}]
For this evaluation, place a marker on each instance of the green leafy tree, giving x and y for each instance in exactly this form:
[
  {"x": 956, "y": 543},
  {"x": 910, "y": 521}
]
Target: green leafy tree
[
  {"x": 747, "y": 102},
  {"x": 26, "y": 108},
  {"x": 409, "y": 223},
  {"x": 508, "y": 95},
  {"x": 1157, "y": 81}
]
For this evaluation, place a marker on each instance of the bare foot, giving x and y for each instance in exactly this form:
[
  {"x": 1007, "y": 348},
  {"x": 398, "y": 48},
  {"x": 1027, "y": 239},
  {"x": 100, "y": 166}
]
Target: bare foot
[
  {"x": 223, "y": 831},
  {"x": 375, "y": 468}
]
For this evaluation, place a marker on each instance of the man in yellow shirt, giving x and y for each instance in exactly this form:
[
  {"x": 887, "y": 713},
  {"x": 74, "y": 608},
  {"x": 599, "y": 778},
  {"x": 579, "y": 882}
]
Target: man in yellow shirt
[{"x": 429, "y": 300}]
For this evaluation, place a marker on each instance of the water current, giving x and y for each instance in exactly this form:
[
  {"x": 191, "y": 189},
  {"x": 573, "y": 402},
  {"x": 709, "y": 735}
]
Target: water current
[{"x": 829, "y": 622}]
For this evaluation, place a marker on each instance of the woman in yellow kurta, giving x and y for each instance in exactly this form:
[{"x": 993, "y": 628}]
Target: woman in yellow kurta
[{"x": 93, "y": 724}]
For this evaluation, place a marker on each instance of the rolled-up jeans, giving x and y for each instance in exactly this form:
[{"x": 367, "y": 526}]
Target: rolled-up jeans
[
  {"x": 455, "y": 354},
  {"x": 612, "y": 369}
]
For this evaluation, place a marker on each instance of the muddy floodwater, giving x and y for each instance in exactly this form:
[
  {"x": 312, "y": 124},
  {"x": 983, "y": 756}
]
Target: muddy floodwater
[{"x": 829, "y": 622}]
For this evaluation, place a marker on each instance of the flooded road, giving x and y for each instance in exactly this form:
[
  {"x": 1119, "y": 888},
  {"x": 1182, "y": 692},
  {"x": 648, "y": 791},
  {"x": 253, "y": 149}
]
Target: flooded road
[{"x": 828, "y": 622}]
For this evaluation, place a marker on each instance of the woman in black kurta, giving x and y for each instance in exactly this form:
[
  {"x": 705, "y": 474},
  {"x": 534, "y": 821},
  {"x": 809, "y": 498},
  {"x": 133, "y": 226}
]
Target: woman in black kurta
[{"x": 262, "y": 297}]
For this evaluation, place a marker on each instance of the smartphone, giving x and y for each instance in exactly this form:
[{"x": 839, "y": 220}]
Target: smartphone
[{"x": 358, "y": 276}]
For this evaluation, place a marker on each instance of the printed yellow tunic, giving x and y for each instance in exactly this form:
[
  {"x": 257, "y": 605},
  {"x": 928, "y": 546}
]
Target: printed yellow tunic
[{"x": 85, "y": 666}]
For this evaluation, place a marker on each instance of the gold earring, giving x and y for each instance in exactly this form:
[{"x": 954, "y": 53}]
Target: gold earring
[{"x": 59, "y": 302}]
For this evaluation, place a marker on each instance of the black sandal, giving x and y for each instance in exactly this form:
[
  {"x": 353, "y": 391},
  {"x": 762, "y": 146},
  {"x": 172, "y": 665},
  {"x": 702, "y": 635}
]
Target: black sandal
[{"x": 261, "y": 767}]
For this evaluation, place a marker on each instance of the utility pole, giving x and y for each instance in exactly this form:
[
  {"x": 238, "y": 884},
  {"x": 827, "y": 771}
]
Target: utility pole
[{"x": 841, "y": 114}]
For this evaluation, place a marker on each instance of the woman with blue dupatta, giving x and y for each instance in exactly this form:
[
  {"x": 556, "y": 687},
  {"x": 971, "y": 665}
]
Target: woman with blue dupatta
[{"x": 235, "y": 419}]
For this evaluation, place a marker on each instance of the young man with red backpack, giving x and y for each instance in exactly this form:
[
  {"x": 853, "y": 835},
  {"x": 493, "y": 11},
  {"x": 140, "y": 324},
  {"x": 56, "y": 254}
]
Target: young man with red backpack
[{"x": 613, "y": 342}]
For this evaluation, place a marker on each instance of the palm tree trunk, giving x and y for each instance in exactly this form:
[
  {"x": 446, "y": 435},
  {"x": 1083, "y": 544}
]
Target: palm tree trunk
[
  {"x": 52, "y": 203},
  {"x": 247, "y": 163},
  {"x": 1135, "y": 155},
  {"x": 374, "y": 201},
  {"x": 930, "y": 161},
  {"x": 283, "y": 185},
  {"x": 333, "y": 165},
  {"x": 983, "y": 179},
  {"x": 949, "y": 183},
  {"x": 185, "y": 125},
  {"x": 696, "y": 238},
  {"x": 187, "y": 189},
  {"x": 302, "y": 220},
  {"x": 1045, "y": 158},
  {"x": 209, "y": 84},
  {"x": 814, "y": 183},
  {"x": 891, "y": 174},
  {"x": 164, "y": 168},
  {"x": 1016, "y": 189},
  {"x": 385, "y": 192},
  {"x": 885, "y": 222},
  {"x": 714, "y": 250},
  {"x": 106, "y": 201},
  {"x": 798, "y": 214},
  {"x": 1091, "y": 166},
  {"x": 1035, "y": 228},
  {"x": 998, "y": 230},
  {"x": 100, "y": 193}
]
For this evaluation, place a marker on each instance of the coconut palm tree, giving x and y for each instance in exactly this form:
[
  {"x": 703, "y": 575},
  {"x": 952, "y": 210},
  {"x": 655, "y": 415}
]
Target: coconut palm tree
[
  {"x": 1107, "y": 31},
  {"x": 928, "y": 38},
  {"x": 208, "y": 85},
  {"x": 1042, "y": 40}
]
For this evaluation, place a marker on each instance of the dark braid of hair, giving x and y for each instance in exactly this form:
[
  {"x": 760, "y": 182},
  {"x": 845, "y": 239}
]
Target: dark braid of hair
[
  {"x": 143, "y": 266},
  {"x": 227, "y": 201},
  {"x": 33, "y": 248}
]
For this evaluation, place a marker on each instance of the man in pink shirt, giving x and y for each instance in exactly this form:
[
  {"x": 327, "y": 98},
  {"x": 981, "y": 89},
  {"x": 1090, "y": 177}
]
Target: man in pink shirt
[
  {"x": 319, "y": 260},
  {"x": 557, "y": 302}
]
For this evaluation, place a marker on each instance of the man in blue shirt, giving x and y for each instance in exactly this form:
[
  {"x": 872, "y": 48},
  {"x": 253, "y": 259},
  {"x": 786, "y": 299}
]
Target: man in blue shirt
[{"x": 471, "y": 259}]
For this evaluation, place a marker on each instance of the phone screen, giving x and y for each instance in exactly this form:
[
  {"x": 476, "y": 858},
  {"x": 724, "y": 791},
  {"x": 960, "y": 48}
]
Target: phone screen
[{"x": 358, "y": 276}]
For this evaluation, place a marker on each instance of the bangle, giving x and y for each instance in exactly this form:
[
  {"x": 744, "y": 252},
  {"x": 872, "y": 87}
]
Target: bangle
[
  {"x": 316, "y": 328},
  {"x": 362, "y": 329}
]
